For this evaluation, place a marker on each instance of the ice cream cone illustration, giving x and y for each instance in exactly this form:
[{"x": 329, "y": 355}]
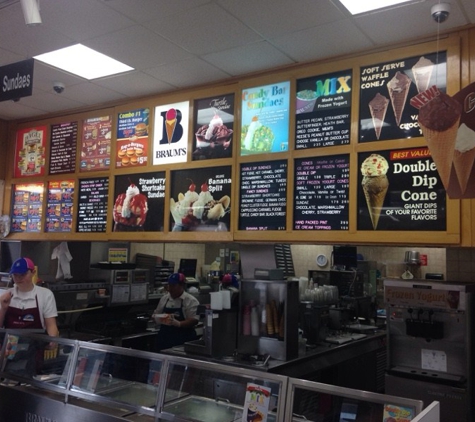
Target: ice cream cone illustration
[
  {"x": 170, "y": 123},
  {"x": 378, "y": 107},
  {"x": 398, "y": 88},
  {"x": 422, "y": 72},
  {"x": 375, "y": 185},
  {"x": 464, "y": 155},
  {"x": 439, "y": 120}
]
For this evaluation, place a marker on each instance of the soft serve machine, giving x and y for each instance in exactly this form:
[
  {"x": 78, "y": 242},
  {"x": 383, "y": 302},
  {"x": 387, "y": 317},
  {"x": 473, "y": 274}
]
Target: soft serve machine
[{"x": 431, "y": 343}]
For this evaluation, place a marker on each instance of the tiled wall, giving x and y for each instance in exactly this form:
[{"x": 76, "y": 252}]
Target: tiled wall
[
  {"x": 390, "y": 260},
  {"x": 461, "y": 264}
]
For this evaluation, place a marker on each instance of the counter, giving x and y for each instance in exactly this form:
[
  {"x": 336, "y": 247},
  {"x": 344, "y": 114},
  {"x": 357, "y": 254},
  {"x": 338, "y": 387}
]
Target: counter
[
  {"x": 357, "y": 364},
  {"x": 87, "y": 381}
]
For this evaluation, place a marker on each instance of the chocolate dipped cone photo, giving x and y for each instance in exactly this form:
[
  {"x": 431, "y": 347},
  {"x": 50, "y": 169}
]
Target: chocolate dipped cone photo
[
  {"x": 398, "y": 88},
  {"x": 439, "y": 121}
]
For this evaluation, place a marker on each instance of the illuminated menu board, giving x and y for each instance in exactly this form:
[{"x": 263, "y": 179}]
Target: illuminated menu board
[
  {"x": 96, "y": 144},
  {"x": 321, "y": 193},
  {"x": 323, "y": 110},
  {"x": 27, "y": 208},
  {"x": 62, "y": 157},
  {"x": 263, "y": 196},
  {"x": 92, "y": 205},
  {"x": 59, "y": 207},
  {"x": 404, "y": 193}
]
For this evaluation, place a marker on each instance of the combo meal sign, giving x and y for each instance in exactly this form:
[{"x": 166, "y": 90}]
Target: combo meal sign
[{"x": 397, "y": 189}]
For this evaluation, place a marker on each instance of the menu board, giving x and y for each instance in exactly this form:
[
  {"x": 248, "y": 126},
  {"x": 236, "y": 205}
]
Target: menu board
[
  {"x": 400, "y": 190},
  {"x": 170, "y": 134},
  {"x": 323, "y": 110},
  {"x": 139, "y": 202},
  {"x": 214, "y": 126},
  {"x": 386, "y": 90},
  {"x": 92, "y": 205},
  {"x": 132, "y": 138},
  {"x": 59, "y": 207},
  {"x": 30, "y": 152},
  {"x": 265, "y": 119},
  {"x": 201, "y": 199},
  {"x": 321, "y": 193},
  {"x": 27, "y": 208},
  {"x": 263, "y": 196},
  {"x": 96, "y": 144},
  {"x": 62, "y": 158}
]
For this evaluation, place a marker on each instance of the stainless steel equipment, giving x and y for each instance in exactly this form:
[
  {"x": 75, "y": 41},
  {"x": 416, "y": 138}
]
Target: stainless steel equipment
[
  {"x": 220, "y": 334},
  {"x": 430, "y": 344},
  {"x": 124, "y": 286}
]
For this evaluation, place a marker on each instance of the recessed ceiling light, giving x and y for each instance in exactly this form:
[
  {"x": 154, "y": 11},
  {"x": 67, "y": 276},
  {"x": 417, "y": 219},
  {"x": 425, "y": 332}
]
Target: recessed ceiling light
[
  {"x": 360, "y": 6},
  {"x": 83, "y": 61}
]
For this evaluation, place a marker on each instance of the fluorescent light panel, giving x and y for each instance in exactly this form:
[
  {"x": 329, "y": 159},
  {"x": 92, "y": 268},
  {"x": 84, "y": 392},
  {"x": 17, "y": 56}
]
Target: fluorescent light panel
[
  {"x": 83, "y": 61},
  {"x": 360, "y": 6}
]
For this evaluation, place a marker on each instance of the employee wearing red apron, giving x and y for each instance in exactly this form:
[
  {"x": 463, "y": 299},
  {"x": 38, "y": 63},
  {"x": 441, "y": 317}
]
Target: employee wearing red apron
[
  {"x": 26, "y": 305},
  {"x": 177, "y": 314}
]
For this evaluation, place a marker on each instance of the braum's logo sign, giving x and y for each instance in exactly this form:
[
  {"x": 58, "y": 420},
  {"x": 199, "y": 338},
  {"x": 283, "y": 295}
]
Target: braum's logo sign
[{"x": 16, "y": 80}]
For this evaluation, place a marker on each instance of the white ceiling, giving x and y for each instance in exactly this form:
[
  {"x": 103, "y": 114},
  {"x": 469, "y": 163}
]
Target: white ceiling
[{"x": 176, "y": 44}]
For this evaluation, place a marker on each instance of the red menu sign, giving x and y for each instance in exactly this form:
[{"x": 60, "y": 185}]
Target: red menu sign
[
  {"x": 30, "y": 152},
  {"x": 96, "y": 144}
]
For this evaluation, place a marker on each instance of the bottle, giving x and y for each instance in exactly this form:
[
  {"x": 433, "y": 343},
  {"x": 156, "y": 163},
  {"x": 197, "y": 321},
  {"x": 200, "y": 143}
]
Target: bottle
[
  {"x": 254, "y": 321},
  {"x": 246, "y": 321}
]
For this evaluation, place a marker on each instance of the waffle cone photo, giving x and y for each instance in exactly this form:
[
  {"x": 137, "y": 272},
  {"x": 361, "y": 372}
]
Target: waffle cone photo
[{"x": 375, "y": 189}]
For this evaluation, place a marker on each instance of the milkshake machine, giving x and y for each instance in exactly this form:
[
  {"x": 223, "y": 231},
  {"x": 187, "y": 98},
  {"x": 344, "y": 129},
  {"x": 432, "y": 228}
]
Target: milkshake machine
[{"x": 431, "y": 343}]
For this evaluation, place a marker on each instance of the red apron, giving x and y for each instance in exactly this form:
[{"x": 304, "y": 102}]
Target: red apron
[{"x": 23, "y": 318}]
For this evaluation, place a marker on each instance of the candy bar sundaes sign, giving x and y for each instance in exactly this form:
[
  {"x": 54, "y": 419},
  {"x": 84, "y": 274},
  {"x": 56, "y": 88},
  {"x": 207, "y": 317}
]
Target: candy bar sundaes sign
[
  {"x": 386, "y": 90},
  {"x": 400, "y": 190},
  {"x": 170, "y": 142}
]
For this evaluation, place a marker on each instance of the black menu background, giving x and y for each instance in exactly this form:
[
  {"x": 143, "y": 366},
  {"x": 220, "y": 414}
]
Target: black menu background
[
  {"x": 263, "y": 196},
  {"x": 62, "y": 157},
  {"x": 412, "y": 176},
  {"x": 325, "y": 120},
  {"x": 321, "y": 193},
  {"x": 92, "y": 205}
]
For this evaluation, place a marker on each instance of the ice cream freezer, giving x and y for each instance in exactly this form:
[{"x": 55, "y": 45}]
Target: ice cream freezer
[
  {"x": 58, "y": 379},
  {"x": 430, "y": 344}
]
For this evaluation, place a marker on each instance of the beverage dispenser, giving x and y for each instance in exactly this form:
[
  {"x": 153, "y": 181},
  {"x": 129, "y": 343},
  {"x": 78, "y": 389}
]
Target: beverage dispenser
[{"x": 430, "y": 344}]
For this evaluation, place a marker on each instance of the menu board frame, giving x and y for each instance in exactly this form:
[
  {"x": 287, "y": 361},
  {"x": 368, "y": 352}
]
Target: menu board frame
[
  {"x": 98, "y": 214},
  {"x": 30, "y": 153},
  {"x": 452, "y": 234},
  {"x": 266, "y": 196}
]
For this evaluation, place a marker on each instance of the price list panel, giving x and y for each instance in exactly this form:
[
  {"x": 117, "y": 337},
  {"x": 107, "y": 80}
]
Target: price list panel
[
  {"x": 321, "y": 193},
  {"x": 59, "y": 207},
  {"x": 263, "y": 196},
  {"x": 92, "y": 205},
  {"x": 63, "y": 148}
]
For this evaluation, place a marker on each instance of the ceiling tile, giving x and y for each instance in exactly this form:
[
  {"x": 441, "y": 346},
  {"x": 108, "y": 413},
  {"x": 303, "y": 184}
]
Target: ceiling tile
[
  {"x": 213, "y": 29},
  {"x": 248, "y": 58}
]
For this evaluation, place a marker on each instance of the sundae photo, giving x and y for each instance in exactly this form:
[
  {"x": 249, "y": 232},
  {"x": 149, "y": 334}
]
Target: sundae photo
[
  {"x": 213, "y": 140},
  {"x": 256, "y": 137},
  {"x": 130, "y": 210},
  {"x": 375, "y": 185},
  {"x": 193, "y": 210}
]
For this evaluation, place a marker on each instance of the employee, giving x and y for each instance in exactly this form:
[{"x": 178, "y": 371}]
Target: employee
[
  {"x": 26, "y": 305},
  {"x": 177, "y": 314}
]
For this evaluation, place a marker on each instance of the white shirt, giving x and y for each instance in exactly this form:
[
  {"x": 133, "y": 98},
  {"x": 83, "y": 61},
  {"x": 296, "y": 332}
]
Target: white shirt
[
  {"x": 187, "y": 301},
  {"x": 27, "y": 300}
]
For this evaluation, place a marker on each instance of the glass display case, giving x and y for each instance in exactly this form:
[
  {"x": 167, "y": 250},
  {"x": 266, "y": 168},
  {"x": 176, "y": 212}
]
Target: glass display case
[
  {"x": 268, "y": 322},
  {"x": 53, "y": 379},
  {"x": 313, "y": 401}
]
